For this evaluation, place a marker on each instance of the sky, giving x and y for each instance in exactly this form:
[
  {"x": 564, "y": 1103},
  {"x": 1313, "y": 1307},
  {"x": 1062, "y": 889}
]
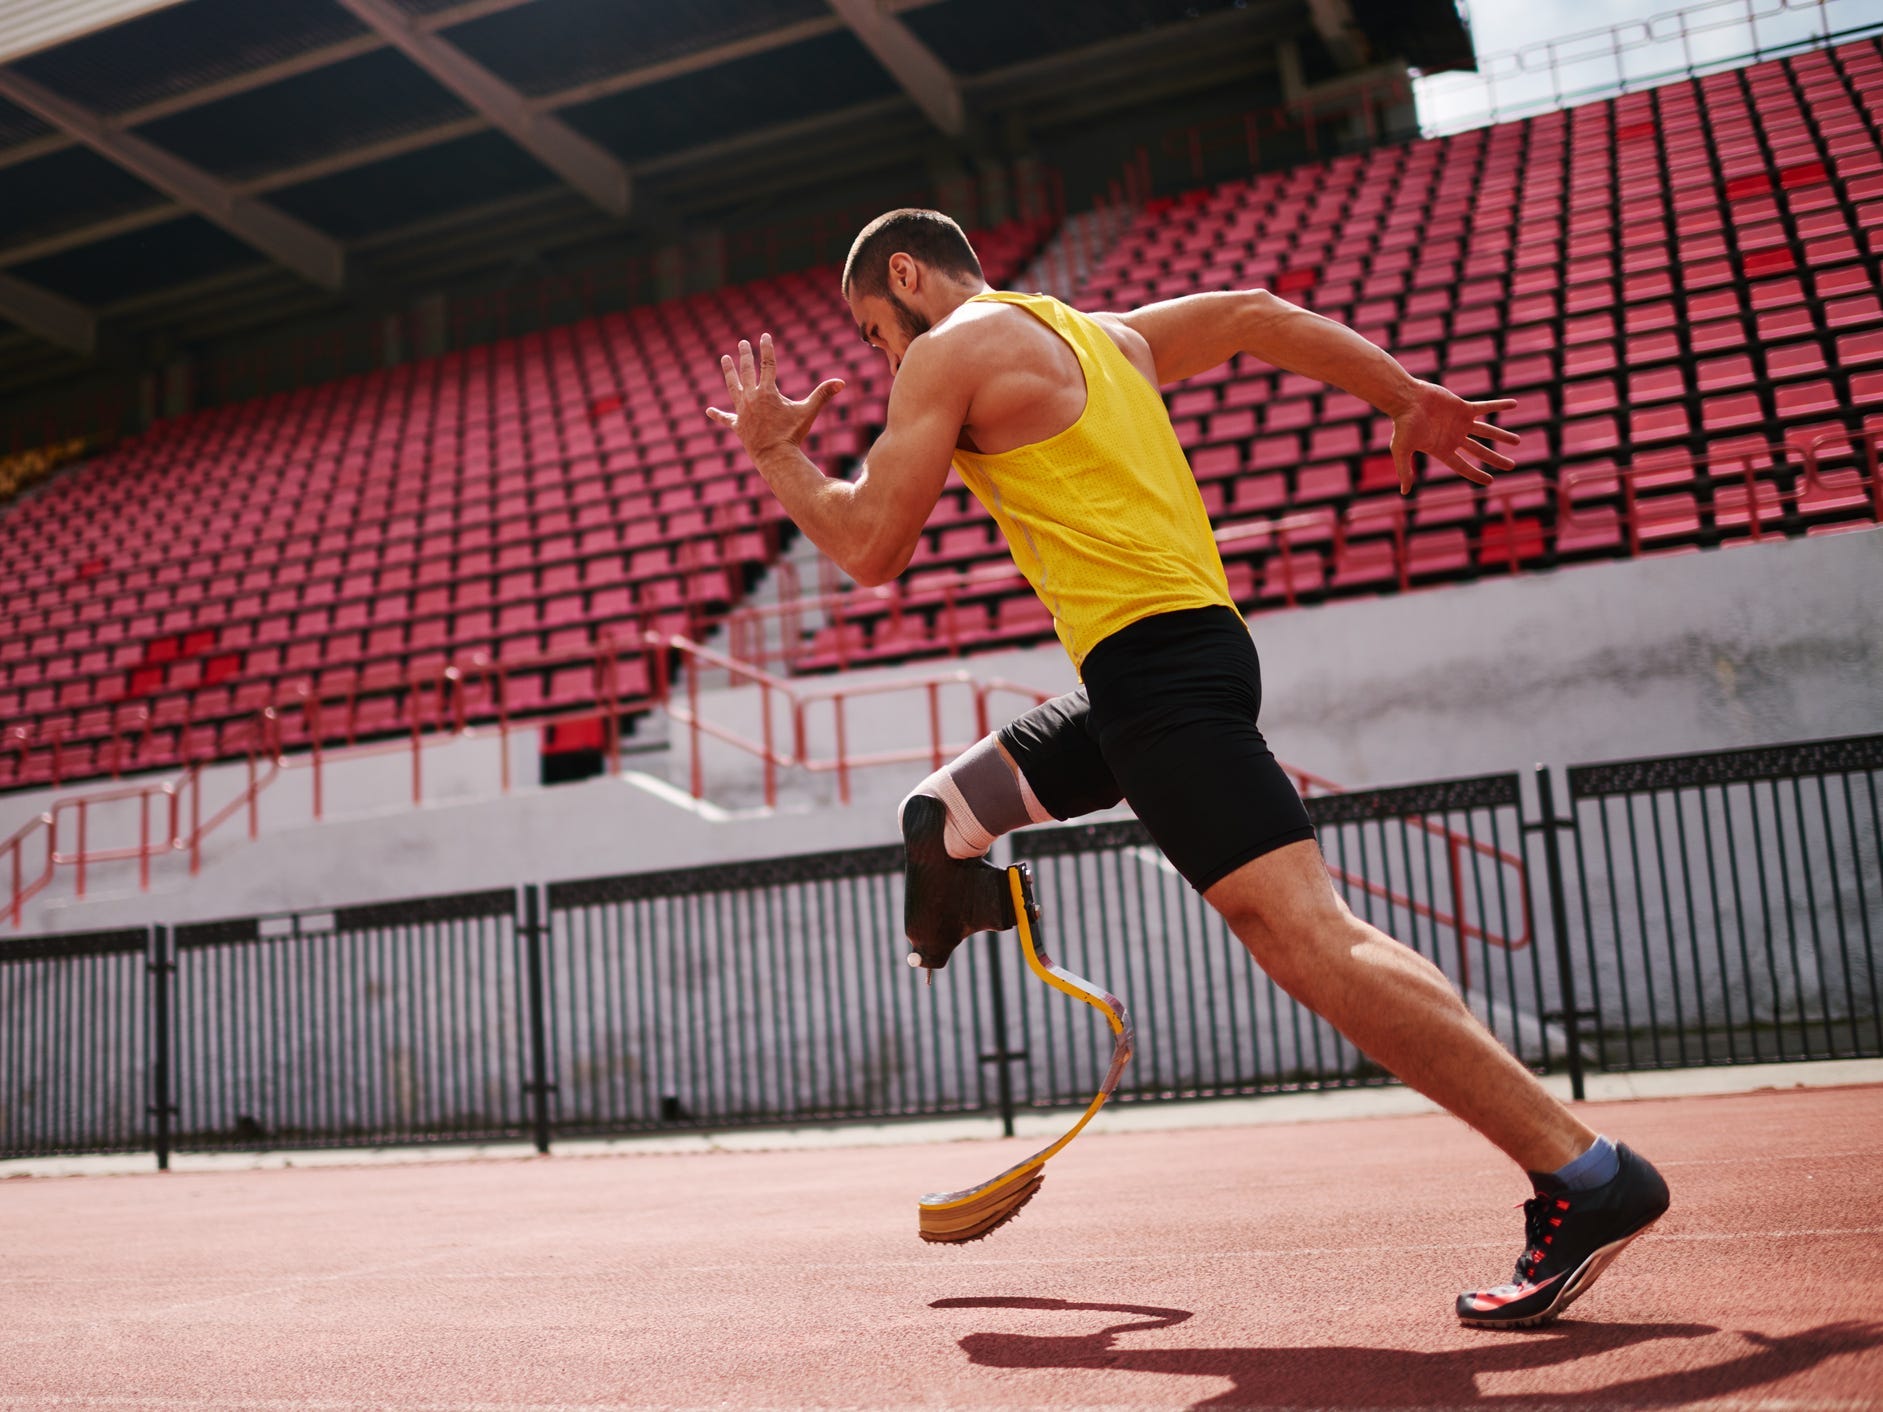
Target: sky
[{"x": 1510, "y": 36}]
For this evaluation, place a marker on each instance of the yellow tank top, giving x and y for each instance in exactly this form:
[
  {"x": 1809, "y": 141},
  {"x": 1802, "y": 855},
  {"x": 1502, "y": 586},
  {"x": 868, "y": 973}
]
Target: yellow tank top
[{"x": 1104, "y": 519}]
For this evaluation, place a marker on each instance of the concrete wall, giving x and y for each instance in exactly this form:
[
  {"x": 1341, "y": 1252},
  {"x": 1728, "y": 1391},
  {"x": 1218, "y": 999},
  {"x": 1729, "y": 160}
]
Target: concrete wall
[{"x": 1753, "y": 645}]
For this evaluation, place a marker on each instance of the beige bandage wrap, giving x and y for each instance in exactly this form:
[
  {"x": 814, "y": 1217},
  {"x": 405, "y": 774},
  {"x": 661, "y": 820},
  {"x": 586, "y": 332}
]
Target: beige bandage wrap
[{"x": 985, "y": 795}]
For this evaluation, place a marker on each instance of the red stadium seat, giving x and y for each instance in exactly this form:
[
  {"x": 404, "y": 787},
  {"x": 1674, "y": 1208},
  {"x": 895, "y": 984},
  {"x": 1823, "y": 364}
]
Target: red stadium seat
[{"x": 1647, "y": 308}]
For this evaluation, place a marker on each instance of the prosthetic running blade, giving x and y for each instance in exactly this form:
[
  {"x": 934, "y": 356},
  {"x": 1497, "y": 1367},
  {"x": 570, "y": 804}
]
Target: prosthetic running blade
[{"x": 955, "y": 1217}]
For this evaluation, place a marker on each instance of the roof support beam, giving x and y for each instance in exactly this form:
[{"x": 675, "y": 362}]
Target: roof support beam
[
  {"x": 54, "y": 318},
  {"x": 450, "y": 130},
  {"x": 922, "y": 76},
  {"x": 309, "y": 60},
  {"x": 299, "y": 246},
  {"x": 690, "y": 62},
  {"x": 584, "y": 164},
  {"x": 306, "y": 61}
]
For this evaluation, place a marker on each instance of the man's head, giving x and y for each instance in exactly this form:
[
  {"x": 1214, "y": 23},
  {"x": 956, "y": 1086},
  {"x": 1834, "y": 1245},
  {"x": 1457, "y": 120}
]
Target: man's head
[{"x": 908, "y": 270}]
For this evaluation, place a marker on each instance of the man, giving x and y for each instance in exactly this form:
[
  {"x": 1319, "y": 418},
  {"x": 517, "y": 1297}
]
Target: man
[{"x": 1054, "y": 420}]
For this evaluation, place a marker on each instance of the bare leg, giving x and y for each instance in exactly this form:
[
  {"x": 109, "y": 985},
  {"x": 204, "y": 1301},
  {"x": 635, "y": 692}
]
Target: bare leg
[{"x": 1392, "y": 1003}]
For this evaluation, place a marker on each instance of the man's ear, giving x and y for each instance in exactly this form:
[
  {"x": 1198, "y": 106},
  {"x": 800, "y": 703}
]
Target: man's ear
[{"x": 905, "y": 276}]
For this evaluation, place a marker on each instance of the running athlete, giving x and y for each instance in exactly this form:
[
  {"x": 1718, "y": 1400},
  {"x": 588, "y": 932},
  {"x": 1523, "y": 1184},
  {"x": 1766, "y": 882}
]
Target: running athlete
[{"x": 1053, "y": 419}]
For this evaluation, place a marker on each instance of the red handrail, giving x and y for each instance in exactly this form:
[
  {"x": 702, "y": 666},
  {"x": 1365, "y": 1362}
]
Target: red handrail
[
  {"x": 1745, "y": 460},
  {"x": 936, "y": 750},
  {"x": 799, "y": 701},
  {"x": 263, "y": 751}
]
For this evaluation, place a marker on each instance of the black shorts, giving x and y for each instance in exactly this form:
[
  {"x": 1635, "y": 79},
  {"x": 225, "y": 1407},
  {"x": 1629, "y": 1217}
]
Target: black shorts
[{"x": 1166, "y": 720}]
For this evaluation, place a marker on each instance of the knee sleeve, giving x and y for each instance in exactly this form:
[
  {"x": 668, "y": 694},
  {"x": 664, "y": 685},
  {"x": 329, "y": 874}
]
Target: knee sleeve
[{"x": 985, "y": 795}]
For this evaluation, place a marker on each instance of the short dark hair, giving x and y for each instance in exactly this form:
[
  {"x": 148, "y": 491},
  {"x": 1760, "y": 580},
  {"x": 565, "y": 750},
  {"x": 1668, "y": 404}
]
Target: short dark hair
[{"x": 927, "y": 236}]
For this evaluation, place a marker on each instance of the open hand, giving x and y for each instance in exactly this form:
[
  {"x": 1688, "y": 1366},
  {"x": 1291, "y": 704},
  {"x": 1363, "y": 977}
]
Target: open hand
[
  {"x": 762, "y": 416},
  {"x": 1449, "y": 429}
]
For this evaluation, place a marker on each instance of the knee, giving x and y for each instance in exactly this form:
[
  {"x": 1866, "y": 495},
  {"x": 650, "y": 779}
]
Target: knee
[{"x": 1297, "y": 947}]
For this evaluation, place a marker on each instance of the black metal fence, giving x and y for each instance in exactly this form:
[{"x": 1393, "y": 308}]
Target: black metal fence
[
  {"x": 1438, "y": 865},
  {"x": 397, "y": 1022},
  {"x": 763, "y": 992},
  {"x": 1729, "y": 906},
  {"x": 1706, "y": 909}
]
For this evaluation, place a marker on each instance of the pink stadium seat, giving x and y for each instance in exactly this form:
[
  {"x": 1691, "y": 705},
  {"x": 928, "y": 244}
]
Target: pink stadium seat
[
  {"x": 1293, "y": 575},
  {"x": 907, "y": 636},
  {"x": 1646, "y": 308},
  {"x": 1662, "y": 422},
  {"x": 1663, "y": 517},
  {"x": 1806, "y": 399},
  {"x": 1593, "y": 529},
  {"x": 1022, "y": 615},
  {"x": 1367, "y": 563},
  {"x": 1327, "y": 481}
]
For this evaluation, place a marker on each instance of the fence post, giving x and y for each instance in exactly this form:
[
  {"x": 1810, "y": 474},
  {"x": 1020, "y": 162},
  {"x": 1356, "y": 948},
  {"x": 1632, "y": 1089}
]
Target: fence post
[
  {"x": 160, "y": 966},
  {"x": 1572, "y": 1015},
  {"x": 539, "y": 1087},
  {"x": 1001, "y": 1057}
]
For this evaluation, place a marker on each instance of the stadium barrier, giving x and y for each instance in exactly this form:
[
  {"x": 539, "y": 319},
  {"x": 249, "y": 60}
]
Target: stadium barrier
[{"x": 1709, "y": 909}]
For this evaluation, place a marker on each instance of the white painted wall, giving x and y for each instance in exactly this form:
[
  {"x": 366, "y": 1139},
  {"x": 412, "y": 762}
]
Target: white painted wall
[{"x": 1753, "y": 645}]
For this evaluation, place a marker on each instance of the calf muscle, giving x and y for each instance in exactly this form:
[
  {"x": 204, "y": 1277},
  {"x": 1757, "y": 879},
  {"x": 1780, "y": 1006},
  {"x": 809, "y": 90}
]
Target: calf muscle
[{"x": 1395, "y": 1006}]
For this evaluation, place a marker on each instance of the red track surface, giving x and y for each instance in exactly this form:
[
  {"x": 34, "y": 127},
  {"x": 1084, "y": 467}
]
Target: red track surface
[{"x": 1306, "y": 1266}]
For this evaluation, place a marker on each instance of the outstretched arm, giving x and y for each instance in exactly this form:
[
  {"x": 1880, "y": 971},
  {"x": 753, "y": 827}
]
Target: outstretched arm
[
  {"x": 1197, "y": 332},
  {"x": 868, "y": 527}
]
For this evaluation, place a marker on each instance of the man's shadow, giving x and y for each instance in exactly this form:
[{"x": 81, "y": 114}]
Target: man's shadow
[{"x": 1389, "y": 1377}]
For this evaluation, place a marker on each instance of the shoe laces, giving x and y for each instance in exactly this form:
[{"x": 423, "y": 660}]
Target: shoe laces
[{"x": 1542, "y": 1217}]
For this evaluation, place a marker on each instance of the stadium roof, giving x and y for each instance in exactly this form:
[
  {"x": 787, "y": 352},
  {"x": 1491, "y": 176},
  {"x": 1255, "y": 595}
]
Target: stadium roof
[{"x": 178, "y": 169}]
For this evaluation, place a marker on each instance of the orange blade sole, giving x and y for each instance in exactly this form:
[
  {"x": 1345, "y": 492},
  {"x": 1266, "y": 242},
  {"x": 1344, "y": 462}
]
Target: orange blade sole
[{"x": 958, "y": 1224}]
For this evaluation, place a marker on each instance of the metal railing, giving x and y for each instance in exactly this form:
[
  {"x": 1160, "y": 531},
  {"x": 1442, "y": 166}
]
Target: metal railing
[
  {"x": 178, "y": 804},
  {"x": 1729, "y": 906},
  {"x": 1708, "y": 909},
  {"x": 75, "y": 1044},
  {"x": 754, "y": 992},
  {"x": 394, "y": 1022},
  {"x": 169, "y": 817},
  {"x": 780, "y": 748}
]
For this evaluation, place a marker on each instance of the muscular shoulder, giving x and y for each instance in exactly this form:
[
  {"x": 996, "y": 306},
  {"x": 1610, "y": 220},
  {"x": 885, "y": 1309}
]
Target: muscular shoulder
[
  {"x": 1131, "y": 343},
  {"x": 994, "y": 337},
  {"x": 981, "y": 333},
  {"x": 997, "y": 336}
]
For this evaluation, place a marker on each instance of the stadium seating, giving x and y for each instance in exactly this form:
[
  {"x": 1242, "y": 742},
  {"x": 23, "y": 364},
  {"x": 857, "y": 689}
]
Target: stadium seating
[
  {"x": 508, "y": 505},
  {"x": 1677, "y": 285}
]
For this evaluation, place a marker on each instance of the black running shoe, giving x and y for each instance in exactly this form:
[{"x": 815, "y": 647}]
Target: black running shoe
[
  {"x": 1572, "y": 1236},
  {"x": 946, "y": 900}
]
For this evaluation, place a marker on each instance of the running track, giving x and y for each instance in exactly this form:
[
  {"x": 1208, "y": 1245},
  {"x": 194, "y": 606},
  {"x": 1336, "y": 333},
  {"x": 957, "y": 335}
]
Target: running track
[{"x": 1275, "y": 1266}]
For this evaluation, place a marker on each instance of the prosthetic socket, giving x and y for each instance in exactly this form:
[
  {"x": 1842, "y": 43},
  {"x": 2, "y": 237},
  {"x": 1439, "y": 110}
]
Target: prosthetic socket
[{"x": 948, "y": 824}]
